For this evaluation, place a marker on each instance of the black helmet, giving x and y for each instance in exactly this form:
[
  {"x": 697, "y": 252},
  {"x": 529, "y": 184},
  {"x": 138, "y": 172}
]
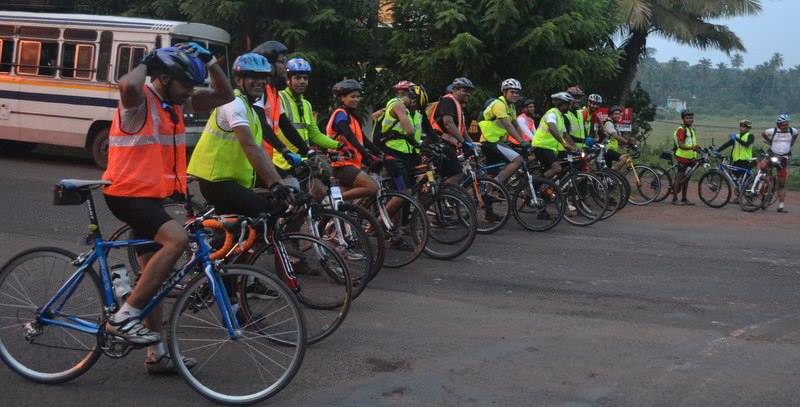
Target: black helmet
[
  {"x": 346, "y": 86},
  {"x": 272, "y": 50},
  {"x": 685, "y": 113},
  {"x": 178, "y": 64},
  {"x": 613, "y": 109}
]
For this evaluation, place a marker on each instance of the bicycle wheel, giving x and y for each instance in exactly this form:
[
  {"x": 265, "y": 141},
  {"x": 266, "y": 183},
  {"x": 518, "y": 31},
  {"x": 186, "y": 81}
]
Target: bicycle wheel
[
  {"x": 406, "y": 229},
  {"x": 751, "y": 197},
  {"x": 374, "y": 232},
  {"x": 665, "y": 179},
  {"x": 493, "y": 208},
  {"x": 452, "y": 220},
  {"x": 47, "y": 353},
  {"x": 587, "y": 199},
  {"x": 645, "y": 185},
  {"x": 255, "y": 364},
  {"x": 714, "y": 189},
  {"x": 615, "y": 185},
  {"x": 541, "y": 213},
  {"x": 346, "y": 237},
  {"x": 324, "y": 287}
]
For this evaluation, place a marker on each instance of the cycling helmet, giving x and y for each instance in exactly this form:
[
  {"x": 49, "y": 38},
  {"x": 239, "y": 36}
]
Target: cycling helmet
[
  {"x": 271, "y": 49},
  {"x": 685, "y": 113},
  {"x": 528, "y": 102},
  {"x": 180, "y": 65},
  {"x": 575, "y": 91},
  {"x": 561, "y": 97},
  {"x": 463, "y": 83},
  {"x": 510, "y": 83},
  {"x": 403, "y": 85},
  {"x": 420, "y": 96},
  {"x": 594, "y": 97},
  {"x": 346, "y": 86},
  {"x": 298, "y": 66},
  {"x": 746, "y": 123},
  {"x": 782, "y": 118},
  {"x": 251, "y": 63},
  {"x": 613, "y": 109}
]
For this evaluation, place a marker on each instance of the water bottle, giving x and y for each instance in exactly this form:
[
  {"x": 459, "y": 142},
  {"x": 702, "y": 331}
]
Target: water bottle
[{"x": 121, "y": 282}]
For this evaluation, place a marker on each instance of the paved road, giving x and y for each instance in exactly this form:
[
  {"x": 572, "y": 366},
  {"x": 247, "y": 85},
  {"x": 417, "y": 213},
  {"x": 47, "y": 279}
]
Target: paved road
[{"x": 658, "y": 306}]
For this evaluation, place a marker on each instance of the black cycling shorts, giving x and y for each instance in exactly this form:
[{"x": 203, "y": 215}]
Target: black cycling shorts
[
  {"x": 400, "y": 166},
  {"x": 229, "y": 197},
  {"x": 450, "y": 165},
  {"x": 144, "y": 215},
  {"x": 612, "y": 156},
  {"x": 498, "y": 153},
  {"x": 545, "y": 156}
]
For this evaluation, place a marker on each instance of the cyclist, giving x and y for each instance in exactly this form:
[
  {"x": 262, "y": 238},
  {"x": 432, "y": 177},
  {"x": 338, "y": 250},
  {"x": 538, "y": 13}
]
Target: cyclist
[
  {"x": 591, "y": 121},
  {"x": 147, "y": 164},
  {"x": 298, "y": 109},
  {"x": 781, "y": 139},
  {"x": 686, "y": 147},
  {"x": 742, "y": 144},
  {"x": 551, "y": 135},
  {"x": 449, "y": 123},
  {"x": 274, "y": 119},
  {"x": 525, "y": 120},
  {"x": 612, "y": 134},
  {"x": 400, "y": 138},
  {"x": 576, "y": 126},
  {"x": 498, "y": 124},
  {"x": 345, "y": 127},
  {"x": 229, "y": 155}
]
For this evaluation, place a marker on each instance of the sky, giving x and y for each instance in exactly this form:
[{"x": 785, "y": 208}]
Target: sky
[{"x": 775, "y": 29}]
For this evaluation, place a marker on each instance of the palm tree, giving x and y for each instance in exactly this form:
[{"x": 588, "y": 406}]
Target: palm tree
[{"x": 685, "y": 21}]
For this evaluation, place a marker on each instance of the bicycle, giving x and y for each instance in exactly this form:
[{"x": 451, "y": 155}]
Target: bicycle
[
  {"x": 666, "y": 176},
  {"x": 759, "y": 189},
  {"x": 617, "y": 186},
  {"x": 196, "y": 324},
  {"x": 644, "y": 182},
  {"x": 717, "y": 185},
  {"x": 537, "y": 203},
  {"x": 490, "y": 197},
  {"x": 585, "y": 194}
]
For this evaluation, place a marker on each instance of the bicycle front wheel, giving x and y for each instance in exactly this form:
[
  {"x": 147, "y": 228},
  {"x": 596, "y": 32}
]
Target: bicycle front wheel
[
  {"x": 405, "y": 226},
  {"x": 39, "y": 351},
  {"x": 714, "y": 189},
  {"x": 752, "y": 194},
  {"x": 538, "y": 210},
  {"x": 253, "y": 364},
  {"x": 645, "y": 185},
  {"x": 665, "y": 179},
  {"x": 453, "y": 224},
  {"x": 615, "y": 185},
  {"x": 374, "y": 232},
  {"x": 491, "y": 200},
  {"x": 587, "y": 199}
]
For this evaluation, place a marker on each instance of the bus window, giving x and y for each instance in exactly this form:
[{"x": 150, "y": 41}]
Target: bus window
[
  {"x": 37, "y": 58},
  {"x": 104, "y": 59},
  {"x": 127, "y": 58},
  {"x": 6, "y": 54},
  {"x": 77, "y": 61},
  {"x": 80, "y": 35}
]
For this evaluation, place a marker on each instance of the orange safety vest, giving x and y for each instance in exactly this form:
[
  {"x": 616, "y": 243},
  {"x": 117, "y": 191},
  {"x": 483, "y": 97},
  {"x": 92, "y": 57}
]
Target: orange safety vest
[
  {"x": 530, "y": 123},
  {"x": 150, "y": 163},
  {"x": 355, "y": 127},
  {"x": 459, "y": 120},
  {"x": 273, "y": 100}
]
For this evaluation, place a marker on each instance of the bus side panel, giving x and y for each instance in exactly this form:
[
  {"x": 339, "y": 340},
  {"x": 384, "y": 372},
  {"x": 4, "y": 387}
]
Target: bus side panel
[{"x": 9, "y": 105}]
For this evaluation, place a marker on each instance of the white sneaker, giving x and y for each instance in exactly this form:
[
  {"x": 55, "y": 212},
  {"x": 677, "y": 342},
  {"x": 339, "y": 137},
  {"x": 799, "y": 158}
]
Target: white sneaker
[{"x": 132, "y": 331}]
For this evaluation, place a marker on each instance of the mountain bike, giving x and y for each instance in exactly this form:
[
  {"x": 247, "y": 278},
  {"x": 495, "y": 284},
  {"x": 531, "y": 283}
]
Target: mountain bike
[
  {"x": 55, "y": 305},
  {"x": 586, "y": 195},
  {"x": 644, "y": 182},
  {"x": 759, "y": 189},
  {"x": 537, "y": 203},
  {"x": 490, "y": 197}
]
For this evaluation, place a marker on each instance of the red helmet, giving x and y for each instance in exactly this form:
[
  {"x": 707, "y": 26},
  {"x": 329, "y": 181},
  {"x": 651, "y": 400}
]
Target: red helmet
[
  {"x": 575, "y": 91},
  {"x": 403, "y": 85}
]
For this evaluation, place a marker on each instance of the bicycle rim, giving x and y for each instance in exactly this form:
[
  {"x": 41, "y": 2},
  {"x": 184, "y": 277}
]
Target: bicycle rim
[
  {"x": 493, "y": 208},
  {"x": 666, "y": 183},
  {"x": 586, "y": 198},
  {"x": 256, "y": 364},
  {"x": 541, "y": 213},
  {"x": 714, "y": 189},
  {"x": 374, "y": 232},
  {"x": 452, "y": 224},
  {"x": 408, "y": 233},
  {"x": 57, "y": 354},
  {"x": 645, "y": 186}
]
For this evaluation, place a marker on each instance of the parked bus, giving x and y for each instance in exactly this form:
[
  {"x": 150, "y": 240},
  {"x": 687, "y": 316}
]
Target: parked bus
[{"x": 59, "y": 73}]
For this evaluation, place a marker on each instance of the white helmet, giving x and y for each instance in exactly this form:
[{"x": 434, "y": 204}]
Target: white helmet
[
  {"x": 510, "y": 83},
  {"x": 594, "y": 97},
  {"x": 562, "y": 96},
  {"x": 782, "y": 118}
]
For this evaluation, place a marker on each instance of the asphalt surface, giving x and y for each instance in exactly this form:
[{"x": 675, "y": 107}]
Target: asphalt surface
[{"x": 659, "y": 306}]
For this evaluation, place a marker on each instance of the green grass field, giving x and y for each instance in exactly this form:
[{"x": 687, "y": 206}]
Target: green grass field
[{"x": 716, "y": 129}]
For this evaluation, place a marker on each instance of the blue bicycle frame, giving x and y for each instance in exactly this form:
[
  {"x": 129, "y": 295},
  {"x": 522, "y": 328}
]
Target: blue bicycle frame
[{"x": 47, "y": 314}]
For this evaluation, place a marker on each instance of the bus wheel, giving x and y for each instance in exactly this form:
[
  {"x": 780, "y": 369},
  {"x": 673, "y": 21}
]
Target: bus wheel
[
  {"x": 16, "y": 147},
  {"x": 99, "y": 148}
]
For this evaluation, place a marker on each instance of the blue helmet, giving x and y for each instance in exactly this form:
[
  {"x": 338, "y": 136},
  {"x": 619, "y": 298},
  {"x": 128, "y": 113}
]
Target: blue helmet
[
  {"x": 298, "y": 66},
  {"x": 251, "y": 63},
  {"x": 180, "y": 65}
]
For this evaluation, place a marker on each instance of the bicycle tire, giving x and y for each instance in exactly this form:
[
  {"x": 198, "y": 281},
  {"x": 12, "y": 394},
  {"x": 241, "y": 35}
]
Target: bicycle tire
[
  {"x": 644, "y": 189},
  {"x": 499, "y": 198},
  {"x": 549, "y": 196},
  {"x": 224, "y": 360},
  {"x": 375, "y": 233},
  {"x": 409, "y": 228},
  {"x": 714, "y": 189},
  {"x": 666, "y": 183},
  {"x": 16, "y": 298},
  {"x": 751, "y": 201},
  {"x": 443, "y": 215},
  {"x": 324, "y": 292},
  {"x": 588, "y": 197},
  {"x": 616, "y": 191}
]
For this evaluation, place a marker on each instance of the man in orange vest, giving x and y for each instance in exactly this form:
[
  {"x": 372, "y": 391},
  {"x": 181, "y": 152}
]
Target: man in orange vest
[
  {"x": 146, "y": 164},
  {"x": 449, "y": 123},
  {"x": 526, "y": 121}
]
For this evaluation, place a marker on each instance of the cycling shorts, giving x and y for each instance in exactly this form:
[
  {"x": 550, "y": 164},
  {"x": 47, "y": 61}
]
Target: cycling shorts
[
  {"x": 346, "y": 175},
  {"x": 144, "y": 215},
  {"x": 783, "y": 173},
  {"x": 400, "y": 166},
  {"x": 612, "y": 156},
  {"x": 229, "y": 197},
  {"x": 450, "y": 165},
  {"x": 684, "y": 163},
  {"x": 497, "y": 153},
  {"x": 545, "y": 156}
]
